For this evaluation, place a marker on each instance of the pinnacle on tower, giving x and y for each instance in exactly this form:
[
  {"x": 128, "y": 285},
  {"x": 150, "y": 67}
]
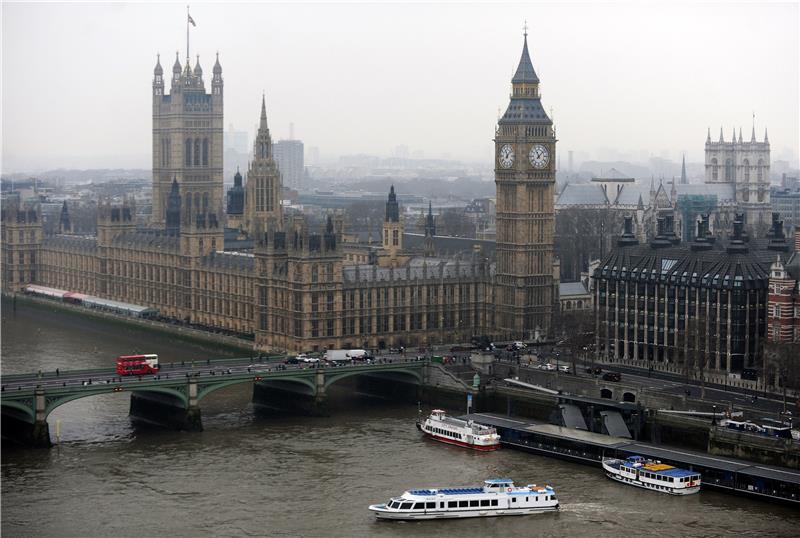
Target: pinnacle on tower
[
  {"x": 733, "y": 137},
  {"x": 721, "y": 138},
  {"x": 753, "y": 136},
  {"x": 158, "y": 71},
  {"x": 198, "y": 71},
  {"x": 740, "y": 135},
  {"x": 708, "y": 138},
  {"x": 217, "y": 67},
  {"x": 525, "y": 71},
  {"x": 176, "y": 68},
  {"x": 263, "y": 124},
  {"x": 684, "y": 180},
  {"x": 766, "y": 138}
]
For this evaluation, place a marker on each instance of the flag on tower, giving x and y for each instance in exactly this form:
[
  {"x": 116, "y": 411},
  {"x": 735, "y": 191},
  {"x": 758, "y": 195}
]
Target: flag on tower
[{"x": 191, "y": 20}]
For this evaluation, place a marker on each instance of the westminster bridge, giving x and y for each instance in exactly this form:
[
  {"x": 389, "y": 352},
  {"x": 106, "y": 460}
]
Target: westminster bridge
[{"x": 172, "y": 396}]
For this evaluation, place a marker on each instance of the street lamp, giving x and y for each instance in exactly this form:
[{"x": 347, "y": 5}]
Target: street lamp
[{"x": 714, "y": 418}]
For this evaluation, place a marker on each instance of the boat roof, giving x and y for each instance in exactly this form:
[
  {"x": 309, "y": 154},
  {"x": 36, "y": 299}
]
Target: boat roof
[
  {"x": 498, "y": 481},
  {"x": 659, "y": 468}
]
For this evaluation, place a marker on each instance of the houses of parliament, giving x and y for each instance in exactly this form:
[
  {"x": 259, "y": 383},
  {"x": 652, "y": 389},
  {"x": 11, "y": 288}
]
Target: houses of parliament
[{"x": 298, "y": 289}]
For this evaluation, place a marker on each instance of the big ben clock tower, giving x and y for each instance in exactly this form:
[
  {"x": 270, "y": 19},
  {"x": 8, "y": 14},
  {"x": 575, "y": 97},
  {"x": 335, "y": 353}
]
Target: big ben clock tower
[{"x": 525, "y": 147}]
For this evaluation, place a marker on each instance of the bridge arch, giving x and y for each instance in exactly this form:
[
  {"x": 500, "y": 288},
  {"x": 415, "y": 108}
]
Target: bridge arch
[
  {"x": 606, "y": 393},
  {"x": 415, "y": 373},
  {"x": 628, "y": 397},
  {"x": 55, "y": 401},
  {"x": 205, "y": 390},
  {"x": 20, "y": 410}
]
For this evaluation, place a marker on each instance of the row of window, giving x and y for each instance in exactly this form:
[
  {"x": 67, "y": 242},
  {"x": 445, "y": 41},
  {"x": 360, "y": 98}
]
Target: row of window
[{"x": 446, "y": 433}]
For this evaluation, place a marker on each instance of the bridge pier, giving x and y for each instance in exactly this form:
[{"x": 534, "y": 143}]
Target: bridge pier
[
  {"x": 19, "y": 429},
  {"x": 167, "y": 410}
]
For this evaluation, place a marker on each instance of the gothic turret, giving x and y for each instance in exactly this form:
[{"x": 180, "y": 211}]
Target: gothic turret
[
  {"x": 173, "y": 217},
  {"x": 264, "y": 185},
  {"x": 684, "y": 179},
  {"x": 392, "y": 208},
  {"x": 63, "y": 222},
  {"x": 236, "y": 196}
]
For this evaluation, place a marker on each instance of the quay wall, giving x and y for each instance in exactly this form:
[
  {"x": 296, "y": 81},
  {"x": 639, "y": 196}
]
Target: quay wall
[
  {"x": 188, "y": 334},
  {"x": 747, "y": 446}
]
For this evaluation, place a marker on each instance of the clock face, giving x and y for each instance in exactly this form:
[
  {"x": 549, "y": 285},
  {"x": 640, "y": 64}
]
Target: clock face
[
  {"x": 539, "y": 156},
  {"x": 506, "y": 157}
]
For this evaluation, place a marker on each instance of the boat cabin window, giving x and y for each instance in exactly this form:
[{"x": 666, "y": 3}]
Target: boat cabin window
[
  {"x": 463, "y": 504},
  {"x": 474, "y": 503},
  {"x": 484, "y": 502},
  {"x": 430, "y": 505},
  {"x": 452, "y": 504},
  {"x": 513, "y": 499},
  {"x": 441, "y": 505},
  {"x": 494, "y": 502},
  {"x": 419, "y": 506},
  {"x": 405, "y": 506}
]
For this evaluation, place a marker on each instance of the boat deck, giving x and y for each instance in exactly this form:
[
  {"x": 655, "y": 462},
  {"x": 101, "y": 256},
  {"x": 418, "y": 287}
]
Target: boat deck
[{"x": 726, "y": 474}]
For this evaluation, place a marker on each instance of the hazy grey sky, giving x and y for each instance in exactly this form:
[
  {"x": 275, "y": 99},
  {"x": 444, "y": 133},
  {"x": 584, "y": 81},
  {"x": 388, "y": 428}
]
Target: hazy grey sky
[{"x": 363, "y": 78}]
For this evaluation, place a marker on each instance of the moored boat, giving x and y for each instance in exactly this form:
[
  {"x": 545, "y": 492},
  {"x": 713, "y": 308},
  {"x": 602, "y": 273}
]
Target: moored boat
[
  {"x": 497, "y": 497},
  {"x": 652, "y": 474},
  {"x": 454, "y": 431}
]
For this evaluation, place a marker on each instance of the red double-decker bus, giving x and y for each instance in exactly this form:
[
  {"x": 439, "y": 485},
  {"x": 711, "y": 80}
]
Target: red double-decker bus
[{"x": 137, "y": 364}]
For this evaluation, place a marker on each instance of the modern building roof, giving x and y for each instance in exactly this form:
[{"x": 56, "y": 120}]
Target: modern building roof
[
  {"x": 582, "y": 194},
  {"x": 568, "y": 289},
  {"x": 614, "y": 175}
]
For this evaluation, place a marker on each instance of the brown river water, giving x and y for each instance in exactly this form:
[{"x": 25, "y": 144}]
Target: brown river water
[{"x": 257, "y": 474}]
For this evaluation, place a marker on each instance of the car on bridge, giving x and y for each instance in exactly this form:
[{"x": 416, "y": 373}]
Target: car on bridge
[{"x": 612, "y": 376}]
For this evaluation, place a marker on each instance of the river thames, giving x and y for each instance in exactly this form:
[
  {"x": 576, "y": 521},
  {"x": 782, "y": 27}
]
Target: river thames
[{"x": 255, "y": 474}]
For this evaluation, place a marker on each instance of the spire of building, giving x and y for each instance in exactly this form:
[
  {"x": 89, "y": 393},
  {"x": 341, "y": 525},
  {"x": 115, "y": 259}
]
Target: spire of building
[
  {"x": 217, "y": 67},
  {"x": 684, "y": 179},
  {"x": 263, "y": 124},
  {"x": 753, "y": 136},
  {"x": 392, "y": 207},
  {"x": 64, "y": 222},
  {"x": 721, "y": 138},
  {"x": 708, "y": 138},
  {"x": 766, "y": 138},
  {"x": 740, "y": 135},
  {"x": 158, "y": 70},
  {"x": 173, "y": 221},
  {"x": 176, "y": 68},
  {"x": 733, "y": 136},
  {"x": 525, "y": 71},
  {"x": 198, "y": 71}
]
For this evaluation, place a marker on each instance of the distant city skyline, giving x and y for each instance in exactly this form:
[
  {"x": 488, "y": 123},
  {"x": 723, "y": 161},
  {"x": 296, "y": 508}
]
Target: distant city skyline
[{"x": 621, "y": 79}]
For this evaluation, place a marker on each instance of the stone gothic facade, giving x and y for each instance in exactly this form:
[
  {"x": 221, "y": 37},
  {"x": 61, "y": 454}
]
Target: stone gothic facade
[{"x": 296, "y": 291}]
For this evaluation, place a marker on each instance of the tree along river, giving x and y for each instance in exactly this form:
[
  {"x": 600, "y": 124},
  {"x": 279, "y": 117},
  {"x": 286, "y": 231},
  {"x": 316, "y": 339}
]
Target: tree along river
[{"x": 258, "y": 474}]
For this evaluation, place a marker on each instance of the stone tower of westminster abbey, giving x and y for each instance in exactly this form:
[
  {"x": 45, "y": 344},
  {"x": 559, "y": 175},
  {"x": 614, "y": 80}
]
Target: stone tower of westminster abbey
[
  {"x": 302, "y": 287},
  {"x": 525, "y": 147}
]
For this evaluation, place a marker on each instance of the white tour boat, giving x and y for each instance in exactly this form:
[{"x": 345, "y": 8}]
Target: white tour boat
[
  {"x": 649, "y": 474},
  {"x": 459, "y": 432},
  {"x": 497, "y": 497}
]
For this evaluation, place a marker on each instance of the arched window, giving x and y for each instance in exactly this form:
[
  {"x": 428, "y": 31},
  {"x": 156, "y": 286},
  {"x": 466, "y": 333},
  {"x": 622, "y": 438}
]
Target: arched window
[
  {"x": 728, "y": 170},
  {"x": 205, "y": 152},
  {"x": 197, "y": 200},
  {"x": 714, "y": 170},
  {"x": 746, "y": 165},
  {"x": 188, "y": 152},
  {"x": 188, "y": 203},
  {"x": 395, "y": 238},
  {"x": 760, "y": 170},
  {"x": 314, "y": 273},
  {"x": 197, "y": 152},
  {"x": 205, "y": 201}
]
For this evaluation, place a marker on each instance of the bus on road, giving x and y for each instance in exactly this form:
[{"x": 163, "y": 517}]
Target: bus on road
[{"x": 137, "y": 364}]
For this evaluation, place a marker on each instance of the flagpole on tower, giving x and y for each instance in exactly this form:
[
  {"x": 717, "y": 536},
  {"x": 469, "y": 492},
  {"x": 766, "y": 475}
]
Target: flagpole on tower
[{"x": 188, "y": 17}]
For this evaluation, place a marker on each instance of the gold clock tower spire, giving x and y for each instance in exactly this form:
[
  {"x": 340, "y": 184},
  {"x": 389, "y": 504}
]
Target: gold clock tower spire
[{"x": 525, "y": 148}]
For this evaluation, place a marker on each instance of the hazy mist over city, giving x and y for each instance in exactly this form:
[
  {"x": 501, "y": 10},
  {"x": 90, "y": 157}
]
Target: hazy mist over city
[{"x": 623, "y": 80}]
